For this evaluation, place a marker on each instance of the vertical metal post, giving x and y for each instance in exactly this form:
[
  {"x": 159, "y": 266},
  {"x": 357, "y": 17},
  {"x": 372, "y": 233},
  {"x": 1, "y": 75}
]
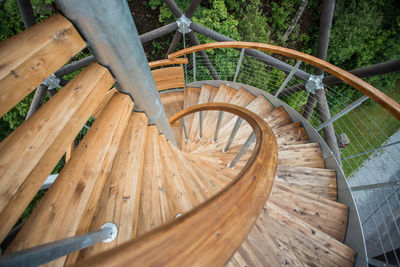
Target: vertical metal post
[
  {"x": 290, "y": 75},
  {"x": 119, "y": 49},
  {"x": 234, "y": 131},
  {"x": 243, "y": 150},
  {"x": 194, "y": 66},
  {"x": 25, "y": 7},
  {"x": 200, "y": 124},
  {"x": 220, "y": 115},
  {"x": 47, "y": 252},
  {"x": 184, "y": 129},
  {"x": 239, "y": 64}
]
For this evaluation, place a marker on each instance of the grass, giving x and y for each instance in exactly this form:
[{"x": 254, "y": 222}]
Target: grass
[{"x": 368, "y": 127}]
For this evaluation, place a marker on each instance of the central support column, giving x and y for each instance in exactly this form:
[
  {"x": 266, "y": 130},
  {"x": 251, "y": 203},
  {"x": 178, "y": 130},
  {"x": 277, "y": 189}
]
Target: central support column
[{"x": 108, "y": 28}]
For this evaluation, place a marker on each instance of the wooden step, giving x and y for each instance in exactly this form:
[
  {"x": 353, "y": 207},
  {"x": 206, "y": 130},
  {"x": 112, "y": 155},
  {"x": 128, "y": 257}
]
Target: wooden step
[
  {"x": 224, "y": 95},
  {"x": 262, "y": 249},
  {"x": 173, "y": 103},
  {"x": 207, "y": 95},
  {"x": 154, "y": 208},
  {"x": 29, "y": 58},
  {"x": 77, "y": 189},
  {"x": 320, "y": 182},
  {"x": 119, "y": 201},
  {"x": 326, "y": 215},
  {"x": 291, "y": 134},
  {"x": 191, "y": 98},
  {"x": 260, "y": 106},
  {"x": 29, "y": 154},
  {"x": 310, "y": 245},
  {"x": 304, "y": 155}
]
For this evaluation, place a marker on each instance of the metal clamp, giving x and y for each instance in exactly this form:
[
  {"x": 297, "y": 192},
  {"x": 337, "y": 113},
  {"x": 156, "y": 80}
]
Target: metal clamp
[
  {"x": 184, "y": 24},
  {"x": 314, "y": 83},
  {"x": 52, "y": 82}
]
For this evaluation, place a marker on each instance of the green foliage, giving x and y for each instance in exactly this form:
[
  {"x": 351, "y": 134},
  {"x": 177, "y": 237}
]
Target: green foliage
[{"x": 253, "y": 19}]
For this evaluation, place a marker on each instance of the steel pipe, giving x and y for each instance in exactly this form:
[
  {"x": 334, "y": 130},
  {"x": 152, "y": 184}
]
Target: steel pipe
[
  {"x": 220, "y": 116},
  {"x": 243, "y": 150},
  {"x": 120, "y": 49},
  {"x": 184, "y": 129},
  {"x": 233, "y": 134},
  {"x": 239, "y": 64},
  {"x": 47, "y": 252}
]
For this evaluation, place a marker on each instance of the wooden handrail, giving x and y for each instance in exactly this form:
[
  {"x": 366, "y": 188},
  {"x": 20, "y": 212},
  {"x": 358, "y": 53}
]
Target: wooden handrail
[
  {"x": 382, "y": 99},
  {"x": 209, "y": 234},
  {"x": 164, "y": 62}
]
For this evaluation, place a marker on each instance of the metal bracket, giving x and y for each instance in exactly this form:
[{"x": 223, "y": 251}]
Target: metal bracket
[
  {"x": 314, "y": 83},
  {"x": 52, "y": 82},
  {"x": 184, "y": 24}
]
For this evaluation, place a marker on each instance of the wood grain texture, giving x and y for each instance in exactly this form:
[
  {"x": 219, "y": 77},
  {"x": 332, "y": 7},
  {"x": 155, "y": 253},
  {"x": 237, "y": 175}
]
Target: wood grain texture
[
  {"x": 165, "y": 62},
  {"x": 386, "y": 102},
  {"x": 310, "y": 245},
  {"x": 79, "y": 183},
  {"x": 104, "y": 102},
  {"x": 169, "y": 78},
  {"x": 173, "y": 103},
  {"x": 28, "y": 155},
  {"x": 27, "y": 59},
  {"x": 210, "y": 233},
  {"x": 119, "y": 201},
  {"x": 326, "y": 215}
]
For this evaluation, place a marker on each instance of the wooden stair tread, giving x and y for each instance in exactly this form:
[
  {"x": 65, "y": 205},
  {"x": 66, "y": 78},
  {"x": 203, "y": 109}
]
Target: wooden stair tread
[
  {"x": 191, "y": 97},
  {"x": 154, "y": 209},
  {"x": 321, "y": 182},
  {"x": 119, "y": 201},
  {"x": 305, "y": 155},
  {"x": 310, "y": 245},
  {"x": 262, "y": 249},
  {"x": 173, "y": 103},
  {"x": 207, "y": 95},
  {"x": 326, "y": 215},
  {"x": 77, "y": 189}
]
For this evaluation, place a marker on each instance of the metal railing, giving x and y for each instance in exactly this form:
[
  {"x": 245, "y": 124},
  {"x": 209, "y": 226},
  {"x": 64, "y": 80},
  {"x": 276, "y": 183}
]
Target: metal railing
[{"x": 370, "y": 160}]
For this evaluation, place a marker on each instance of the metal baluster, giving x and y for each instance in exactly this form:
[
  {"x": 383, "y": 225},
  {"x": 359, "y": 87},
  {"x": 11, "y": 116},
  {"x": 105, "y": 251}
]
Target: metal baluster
[
  {"x": 47, "y": 252},
  {"x": 184, "y": 129},
  {"x": 194, "y": 66},
  {"x": 239, "y": 64},
  {"x": 290, "y": 75},
  {"x": 220, "y": 115},
  {"x": 245, "y": 147},
  {"x": 201, "y": 124},
  {"x": 234, "y": 131}
]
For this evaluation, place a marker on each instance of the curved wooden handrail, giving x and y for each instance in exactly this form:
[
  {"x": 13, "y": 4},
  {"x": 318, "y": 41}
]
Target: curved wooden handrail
[
  {"x": 164, "y": 62},
  {"x": 382, "y": 99},
  {"x": 209, "y": 234}
]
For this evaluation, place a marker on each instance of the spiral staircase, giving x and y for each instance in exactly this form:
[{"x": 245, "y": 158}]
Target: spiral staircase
[{"x": 243, "y": 186}]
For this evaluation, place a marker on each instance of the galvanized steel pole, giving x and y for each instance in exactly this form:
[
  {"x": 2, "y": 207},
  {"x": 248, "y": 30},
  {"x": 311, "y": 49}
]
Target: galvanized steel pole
[{"x": 111, "y": 34}]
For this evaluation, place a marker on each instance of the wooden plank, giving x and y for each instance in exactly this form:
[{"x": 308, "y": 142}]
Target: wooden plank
[
  {"x": 154, "y": 209},
  {"x": 30, "y": 153},
  {"x": 27, "y": 59},
  {"x": 79, "y": 183},
  {"x": 168, "y": 78},
  {"x": 173, "y": 103},
  {"x": 207, "y": 95},
  {"x": 69, "y": 151},
  {"x": 104, "y": 102},
  {"x": 310, "y": 245},
  {"x": 326, "y": 215},
  {"x": 386, "y": 102},
  {"x": 192, "y": 95},
  {"x": 119, "y": 201},
  {"x": 304, "y": 155},
  {"x": 321, "y": 182}
]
